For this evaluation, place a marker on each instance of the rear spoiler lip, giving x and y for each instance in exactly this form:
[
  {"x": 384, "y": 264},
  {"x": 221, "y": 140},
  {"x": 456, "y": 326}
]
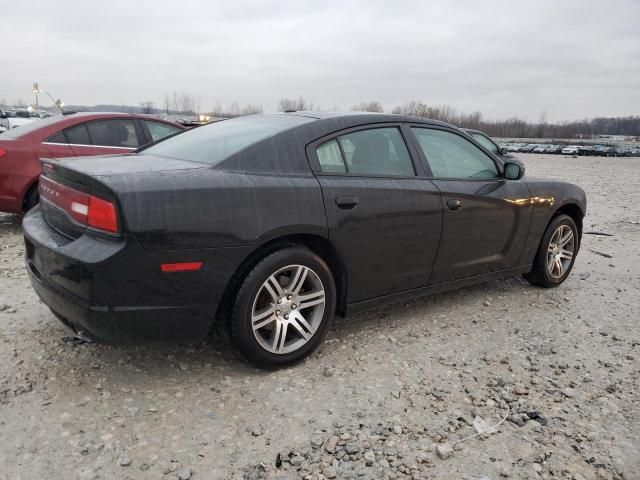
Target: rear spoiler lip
[{"x": 52, "y": 168}]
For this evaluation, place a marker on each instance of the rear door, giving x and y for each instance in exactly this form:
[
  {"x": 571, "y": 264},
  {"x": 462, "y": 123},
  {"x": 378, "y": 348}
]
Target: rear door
[
  {"x": 105, "y": 137},
  {"x": 486, "y": 218},
  {"x": 56, "y": 146},
  {"x": 384, "y": 216}
]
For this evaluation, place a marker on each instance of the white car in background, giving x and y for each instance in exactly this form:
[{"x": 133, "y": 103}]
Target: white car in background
[
  {"x": 13, "y": 119},
  {"x": 571, "y": 150}
]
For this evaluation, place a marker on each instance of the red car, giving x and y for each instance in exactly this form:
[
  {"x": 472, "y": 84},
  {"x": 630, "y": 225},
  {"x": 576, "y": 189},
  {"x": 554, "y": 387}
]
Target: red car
[{"x": 74, "y": 135}]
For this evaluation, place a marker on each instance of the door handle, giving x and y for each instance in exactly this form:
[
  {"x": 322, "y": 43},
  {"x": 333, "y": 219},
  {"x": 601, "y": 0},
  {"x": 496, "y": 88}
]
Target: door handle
[
  {"x": 454, "y": 204},
  {"x": 347, "y": 202}
]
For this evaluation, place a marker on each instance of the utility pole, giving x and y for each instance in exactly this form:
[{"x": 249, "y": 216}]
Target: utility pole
[{"x": 36, "y": 91}]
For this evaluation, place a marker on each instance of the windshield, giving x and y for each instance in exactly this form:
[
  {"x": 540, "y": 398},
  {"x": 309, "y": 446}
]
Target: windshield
[
  {"x": 486, "y": 142},
  {"x": 215, "y": 142}
]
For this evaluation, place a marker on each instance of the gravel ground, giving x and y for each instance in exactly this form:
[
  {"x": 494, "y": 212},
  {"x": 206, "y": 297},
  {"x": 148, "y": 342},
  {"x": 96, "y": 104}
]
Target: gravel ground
[{"x": 388, "y": 395}]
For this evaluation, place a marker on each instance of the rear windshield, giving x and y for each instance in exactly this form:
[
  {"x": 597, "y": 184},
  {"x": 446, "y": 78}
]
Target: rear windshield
[{"x": 215, "y": 142}]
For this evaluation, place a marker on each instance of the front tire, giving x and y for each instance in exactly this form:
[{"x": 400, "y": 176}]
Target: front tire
[
  {"x": 283, "y": 308},
  {"x": 556, "y": 254}
]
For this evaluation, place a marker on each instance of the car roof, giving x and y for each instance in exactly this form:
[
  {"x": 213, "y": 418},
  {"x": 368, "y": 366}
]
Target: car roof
[{"x": 364, "y": 117}]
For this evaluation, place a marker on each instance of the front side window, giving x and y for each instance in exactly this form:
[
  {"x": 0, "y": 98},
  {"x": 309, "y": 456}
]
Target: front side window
[
  {"x": 486, "y": 142},
  {"x": 376, "y": 151},
  {"x": 113, "y": 133},
  {"x": 159, "y": 130},
  {"x": 452, "y": 156}
]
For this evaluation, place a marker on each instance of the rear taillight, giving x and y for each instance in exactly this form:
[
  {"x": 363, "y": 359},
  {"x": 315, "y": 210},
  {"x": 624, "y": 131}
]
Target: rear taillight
[
  {"x": 102, "y": 214},
  {"x": 2, "y": 152},
  {"x": 84, "y": 208}
]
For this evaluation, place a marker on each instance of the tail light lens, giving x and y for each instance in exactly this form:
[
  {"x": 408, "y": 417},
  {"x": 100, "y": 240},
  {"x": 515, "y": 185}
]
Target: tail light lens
[
  {"x": 84, "y": 208},
  {"x": 2, "y": 152}
]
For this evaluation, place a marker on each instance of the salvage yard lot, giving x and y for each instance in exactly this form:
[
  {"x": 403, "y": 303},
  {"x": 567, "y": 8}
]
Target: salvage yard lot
[{"x": 386, "y": 388}]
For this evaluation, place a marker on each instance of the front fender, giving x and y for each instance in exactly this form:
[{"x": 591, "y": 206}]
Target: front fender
[{"x": 547, "y": 198}]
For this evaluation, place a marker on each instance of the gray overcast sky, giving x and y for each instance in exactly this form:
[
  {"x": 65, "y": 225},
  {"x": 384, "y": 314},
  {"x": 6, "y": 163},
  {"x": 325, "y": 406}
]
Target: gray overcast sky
[{"x": 572, "y": 59}]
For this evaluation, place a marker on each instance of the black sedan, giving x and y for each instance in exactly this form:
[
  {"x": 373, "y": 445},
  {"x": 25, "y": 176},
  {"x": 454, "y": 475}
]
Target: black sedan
[{"x": 275, "y": 223}]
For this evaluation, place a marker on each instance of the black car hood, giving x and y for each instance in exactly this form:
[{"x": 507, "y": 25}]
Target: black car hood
[{"x": 110, "y": 165}]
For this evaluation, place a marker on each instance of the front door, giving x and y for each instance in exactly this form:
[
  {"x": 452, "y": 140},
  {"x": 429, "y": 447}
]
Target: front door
[
  {"x": 384, "y": 216},
  {"x": 486, "y": 218}
]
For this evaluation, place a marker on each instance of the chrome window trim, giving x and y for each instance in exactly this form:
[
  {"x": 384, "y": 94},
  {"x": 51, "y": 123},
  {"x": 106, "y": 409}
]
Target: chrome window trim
[{"x": 83, "y": 145}]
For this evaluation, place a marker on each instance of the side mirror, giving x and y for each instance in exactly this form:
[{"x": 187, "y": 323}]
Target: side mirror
[
  {"x": 503, "y": 150},
  {"x": 513, "y": 171}
]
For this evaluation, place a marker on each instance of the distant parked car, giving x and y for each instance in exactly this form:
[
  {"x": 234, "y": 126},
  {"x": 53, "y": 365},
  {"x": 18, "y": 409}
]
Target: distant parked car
[
  {"x": 539, "y": 149},
  {"x": 571, "y": 150},
  {"x": 602, "y": 151},
  {"x": 14, "y": 119},
  {"x": 76, "y": 135}
]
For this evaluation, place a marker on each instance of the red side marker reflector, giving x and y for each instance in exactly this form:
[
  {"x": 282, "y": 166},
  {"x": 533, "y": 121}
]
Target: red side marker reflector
[
  {"x": 180, "y": 267},
  {"x": 2, "y": 152}
]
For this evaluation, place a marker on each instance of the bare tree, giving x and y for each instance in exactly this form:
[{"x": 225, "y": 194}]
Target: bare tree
[
  {"x": 251, "y": 109},
  {"x": 147, "y": 107},
  {"x": 293, "y": 105},
  {"x": 368, "y": 107},
  {"x": 166, "y": 103},
  {"x": 174, "y": 101}
]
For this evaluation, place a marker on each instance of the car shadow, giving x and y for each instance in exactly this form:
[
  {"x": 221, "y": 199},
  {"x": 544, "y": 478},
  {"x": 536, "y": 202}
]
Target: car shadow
[{"x": 215, "y": 360}]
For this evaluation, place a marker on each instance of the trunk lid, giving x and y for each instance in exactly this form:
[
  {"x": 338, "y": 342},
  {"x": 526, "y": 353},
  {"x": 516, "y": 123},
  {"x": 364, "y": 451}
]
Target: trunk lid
[{"x": 66, "y": 183}]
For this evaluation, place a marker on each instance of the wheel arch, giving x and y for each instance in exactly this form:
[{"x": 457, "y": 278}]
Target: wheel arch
[
  {"x": 574, "y": 211},
  {"x": 31, "y": 187},
  {"x": 319, "y": 245}
]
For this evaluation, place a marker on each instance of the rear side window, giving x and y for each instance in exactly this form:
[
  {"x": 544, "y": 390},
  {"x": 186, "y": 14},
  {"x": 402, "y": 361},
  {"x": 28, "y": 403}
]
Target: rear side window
[
  {"x": 113, "y": 133},
  {"x": 451, "y": 156},
  {"x": 159, "y": 130},
  {"x": 77, "y": 135},
  {"x": 215, "y": 142},
  {"x": 57, "y": 138},
  {"x": 330, "y": 157},
  {"x": 376, "y": 151}
]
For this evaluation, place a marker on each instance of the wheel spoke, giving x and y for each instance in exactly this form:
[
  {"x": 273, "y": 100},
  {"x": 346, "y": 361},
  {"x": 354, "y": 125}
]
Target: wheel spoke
[
  {"x": 283, "y": 337},
  {"x": 566, "y": 239},
  {"x": 302, "y": 326},
  {"x": 310, "y": 299},
  {"x": 272, "y": 285},
  {"x": 262, "y": 319},
  {"x": 298, "y": 279},
  {"x": 276, "y": 337},
  {"x": 560, "y": 267},
  {"x": 566, "y": 254},
  {"x": 550, "y": 263}
]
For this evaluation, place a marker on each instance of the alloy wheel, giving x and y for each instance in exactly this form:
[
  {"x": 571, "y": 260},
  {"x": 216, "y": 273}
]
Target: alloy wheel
[
  {"x": 560, "y": 251},
  {"x": 288, "y": 309}
]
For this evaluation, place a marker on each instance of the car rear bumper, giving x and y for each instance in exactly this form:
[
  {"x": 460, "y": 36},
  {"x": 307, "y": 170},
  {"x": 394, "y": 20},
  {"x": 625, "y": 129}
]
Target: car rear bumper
[
  {"x": 116, "y": 324},
  {"x": 115, "y": 291}
]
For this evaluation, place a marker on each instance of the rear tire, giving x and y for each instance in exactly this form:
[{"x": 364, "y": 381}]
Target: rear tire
[
  {"x": 283, "y": 308},
  {"x": 32, "y": 198},
  {"x": 556, "y": 254}
]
